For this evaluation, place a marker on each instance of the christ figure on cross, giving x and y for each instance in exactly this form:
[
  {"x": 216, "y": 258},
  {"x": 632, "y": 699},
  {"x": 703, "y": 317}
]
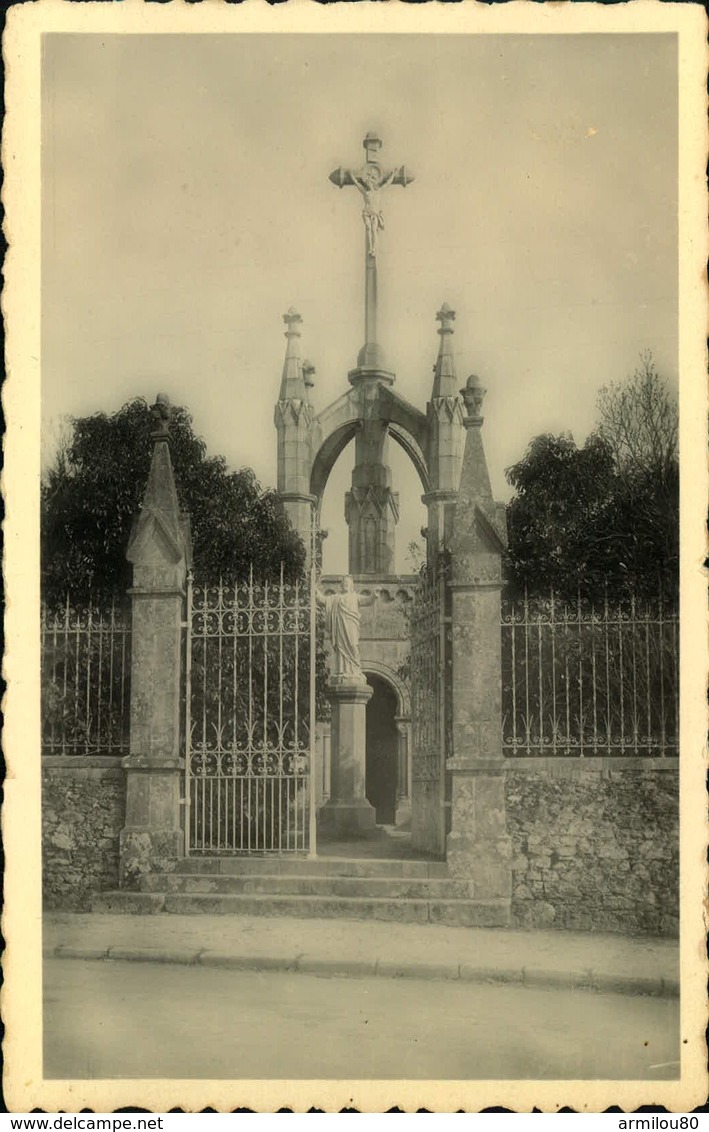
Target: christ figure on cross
[{"x": 371, "y": 184}]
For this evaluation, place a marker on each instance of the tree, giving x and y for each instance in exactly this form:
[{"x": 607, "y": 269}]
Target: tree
[
  {"x": 93, "y": 489},
  {"x": 604, "y": 517},
  {"x": 557, "y": 519},
  {"x": 640, "y": 423}
]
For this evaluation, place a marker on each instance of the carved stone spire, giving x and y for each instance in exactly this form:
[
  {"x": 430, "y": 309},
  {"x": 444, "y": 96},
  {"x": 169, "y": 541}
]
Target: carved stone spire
[
  {"x": 293, "y": 418},
  {"x": 292, "y": 384},
  {"x": 159, "y": 532},
  {"x": 444, "y": 414},
  {"x": 445, "y": 381}
]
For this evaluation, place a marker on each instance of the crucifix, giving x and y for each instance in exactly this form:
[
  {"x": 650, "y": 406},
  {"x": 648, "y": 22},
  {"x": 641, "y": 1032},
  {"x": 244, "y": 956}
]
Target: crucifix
[{"x": 371, "y": 181}]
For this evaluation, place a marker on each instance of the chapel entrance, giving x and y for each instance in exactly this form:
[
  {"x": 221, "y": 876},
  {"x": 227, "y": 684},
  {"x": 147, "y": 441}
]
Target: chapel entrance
[{"x": 382, "y": 747}]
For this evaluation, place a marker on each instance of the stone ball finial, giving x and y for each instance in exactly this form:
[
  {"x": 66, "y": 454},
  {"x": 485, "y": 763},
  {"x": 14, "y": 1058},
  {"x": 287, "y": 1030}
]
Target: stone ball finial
[
  {"x": 161, "y": 412},
  {"x": 292, "y": 320},
  {"x": 473, "y": 394}
]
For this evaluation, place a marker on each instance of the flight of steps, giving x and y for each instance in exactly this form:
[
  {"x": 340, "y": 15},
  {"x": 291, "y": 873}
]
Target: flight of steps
[{"x": 353, "y": 888}]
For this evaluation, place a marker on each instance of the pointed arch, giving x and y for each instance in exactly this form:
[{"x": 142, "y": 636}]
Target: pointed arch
[
  {"x": 328, "y": 454},
  {"x": 339, "y": 422}
]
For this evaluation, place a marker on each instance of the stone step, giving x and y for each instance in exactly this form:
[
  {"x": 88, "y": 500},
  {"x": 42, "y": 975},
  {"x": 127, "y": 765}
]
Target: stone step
[
  {"x": 296, "y": 885},
  {"x": 468, "y": 913},
  {"x": 320, "y": 866}
]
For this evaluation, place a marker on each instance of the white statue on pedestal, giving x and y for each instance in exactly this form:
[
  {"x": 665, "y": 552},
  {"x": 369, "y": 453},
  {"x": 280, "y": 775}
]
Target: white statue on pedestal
[{"x": 342, "y": 614}]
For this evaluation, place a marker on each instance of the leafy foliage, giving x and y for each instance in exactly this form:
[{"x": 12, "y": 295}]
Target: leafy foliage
[
  {"x": 94, "y": 488},
  {"x": 604, "y": 516}
]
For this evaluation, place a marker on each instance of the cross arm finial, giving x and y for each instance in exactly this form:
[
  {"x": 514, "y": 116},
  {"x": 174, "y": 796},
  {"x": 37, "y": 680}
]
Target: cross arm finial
[
  {"x": 372, "y": 144},
  {"x": 446, "y": 317},
  {"x": 292, "y": 320}
]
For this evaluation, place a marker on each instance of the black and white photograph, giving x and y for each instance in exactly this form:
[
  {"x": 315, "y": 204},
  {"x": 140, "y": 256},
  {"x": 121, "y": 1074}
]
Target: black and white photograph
[{"x": 356, "y": 650}]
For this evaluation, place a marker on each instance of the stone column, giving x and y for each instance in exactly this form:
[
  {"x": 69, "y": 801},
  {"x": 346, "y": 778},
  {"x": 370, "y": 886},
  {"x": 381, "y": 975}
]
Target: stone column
[
  {"x": 403, "y": 775},
  {"x": 478, "y": 846},
  {"x": 159, "y": 549},
  {"x": 371, "y": 355},
  {"x": 347, "y": 813},
  {"x": 325, "y": 732},
  {"x": 371, "y": 507}
]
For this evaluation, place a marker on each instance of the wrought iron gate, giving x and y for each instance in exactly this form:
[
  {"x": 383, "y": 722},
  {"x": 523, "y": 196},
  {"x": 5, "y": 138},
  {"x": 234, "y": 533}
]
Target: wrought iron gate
[
  {"x": 431, "y": 709},
  {"x": 250, "y": 718}
]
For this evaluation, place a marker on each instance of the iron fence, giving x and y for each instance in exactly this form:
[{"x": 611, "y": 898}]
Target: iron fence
[
  {"x": 85, "y": 680},
  {"x": 249, "y": 717},
  {"x": 583, "y": 678}
]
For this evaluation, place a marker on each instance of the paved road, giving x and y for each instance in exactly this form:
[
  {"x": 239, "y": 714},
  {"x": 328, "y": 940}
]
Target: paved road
[{"x": 146, "y": 1020}]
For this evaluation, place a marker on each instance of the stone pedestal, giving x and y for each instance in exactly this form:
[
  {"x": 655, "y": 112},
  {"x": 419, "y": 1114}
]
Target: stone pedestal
[
  {"x": 154, "y": 840},
  {"x": 347, "y": 813}
]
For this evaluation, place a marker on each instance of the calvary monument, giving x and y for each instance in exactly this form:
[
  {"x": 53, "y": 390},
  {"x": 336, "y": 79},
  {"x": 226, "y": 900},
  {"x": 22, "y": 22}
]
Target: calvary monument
[{"x": 404, "y": 766}]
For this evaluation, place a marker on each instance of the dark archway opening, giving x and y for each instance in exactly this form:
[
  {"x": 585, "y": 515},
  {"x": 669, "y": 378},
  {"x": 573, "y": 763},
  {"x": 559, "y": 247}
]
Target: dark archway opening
[{"x": 382, "y": 747}]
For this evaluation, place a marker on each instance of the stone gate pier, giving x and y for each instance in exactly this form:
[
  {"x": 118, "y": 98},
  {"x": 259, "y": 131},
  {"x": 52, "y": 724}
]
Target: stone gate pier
[
  {"x": 479, "y": 846},
  {"x": 160, "y": 551}
]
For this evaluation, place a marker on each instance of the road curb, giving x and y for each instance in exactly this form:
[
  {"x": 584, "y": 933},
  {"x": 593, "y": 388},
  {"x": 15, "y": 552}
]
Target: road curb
[
  {"x": 317, "y": 965},
  {"x": 239, "y": 962},
  {"x": 635, "y": 985},
  {"x": 67, "y": 951},
  {"x": 183, "y": 955},
  {"x": 558, "y": 980},
  {"x": 396, "y": 969},
  {"x": 470, "y": 973},
  {"x": 309, "y": 964}
]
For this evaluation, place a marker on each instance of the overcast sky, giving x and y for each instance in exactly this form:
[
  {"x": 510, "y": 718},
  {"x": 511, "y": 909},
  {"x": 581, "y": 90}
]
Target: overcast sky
[{"x": 186, "y": 206}]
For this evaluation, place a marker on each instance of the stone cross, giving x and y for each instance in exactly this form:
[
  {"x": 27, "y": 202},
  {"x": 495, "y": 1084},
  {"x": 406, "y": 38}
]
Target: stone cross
[{"x": 371, "y": 180}]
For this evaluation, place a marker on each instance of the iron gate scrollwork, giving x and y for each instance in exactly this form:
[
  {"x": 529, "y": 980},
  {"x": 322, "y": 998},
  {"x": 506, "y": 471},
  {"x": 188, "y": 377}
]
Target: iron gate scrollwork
[
  {"x": 431, "y": 708},
  {"x": 248, "y": 718}
]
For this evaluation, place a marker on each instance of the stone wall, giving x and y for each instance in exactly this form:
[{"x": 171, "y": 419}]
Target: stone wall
[
  {"x": 83, "y": 810},
  {"x": 595, "y": 843}
]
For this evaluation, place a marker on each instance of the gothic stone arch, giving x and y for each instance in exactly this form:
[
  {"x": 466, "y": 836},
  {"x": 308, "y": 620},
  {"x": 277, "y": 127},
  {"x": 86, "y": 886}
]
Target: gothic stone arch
[{"x": 342, "y": 420}]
